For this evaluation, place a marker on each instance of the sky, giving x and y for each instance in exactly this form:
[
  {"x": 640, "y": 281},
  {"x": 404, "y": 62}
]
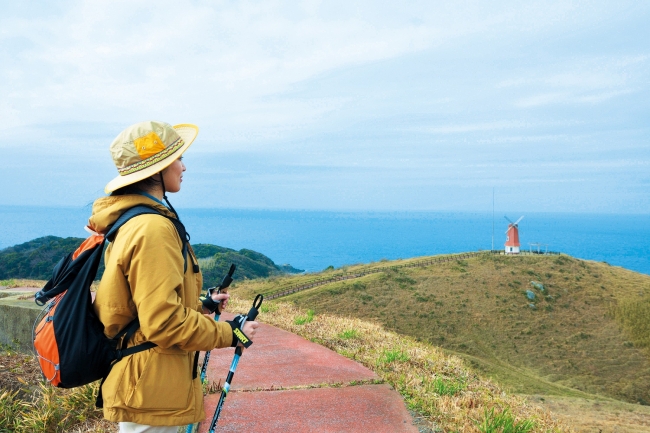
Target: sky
[{"x": 387, "y": 106}]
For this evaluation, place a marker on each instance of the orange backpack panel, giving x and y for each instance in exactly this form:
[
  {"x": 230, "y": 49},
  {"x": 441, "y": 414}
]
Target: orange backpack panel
[{"x": 47, "y": 348}]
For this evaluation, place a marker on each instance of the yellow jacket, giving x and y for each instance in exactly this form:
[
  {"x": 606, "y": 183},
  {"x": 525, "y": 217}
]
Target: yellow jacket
[{"x": 144, "y": 278}]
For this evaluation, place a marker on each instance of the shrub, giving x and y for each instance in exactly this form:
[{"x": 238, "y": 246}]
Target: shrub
[
  {"x": 365, "y": 297},
  {"x": 301, "y": 320},
  {"x": 268, "y": 308},
  {"x": 348, "y": 334},
  {"x": 10, "y": 284},
  {"x": 442, "y": 386},
  {"x": 504, "y": 422},
  {"x": 393, "y": 355}
]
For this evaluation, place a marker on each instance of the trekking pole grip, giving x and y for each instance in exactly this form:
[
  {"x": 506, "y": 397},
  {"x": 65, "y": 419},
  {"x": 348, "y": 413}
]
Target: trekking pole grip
[
  {"x": 225, "y": 283},
  {"x": 257, "y": 303}
]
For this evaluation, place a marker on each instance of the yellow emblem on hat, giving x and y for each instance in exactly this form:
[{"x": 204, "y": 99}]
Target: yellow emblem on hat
[{"x": 148, "y": 145}]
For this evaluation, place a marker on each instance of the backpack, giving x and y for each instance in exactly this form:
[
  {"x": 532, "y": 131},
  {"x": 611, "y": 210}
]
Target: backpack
[{"x": 68, "y": 337}]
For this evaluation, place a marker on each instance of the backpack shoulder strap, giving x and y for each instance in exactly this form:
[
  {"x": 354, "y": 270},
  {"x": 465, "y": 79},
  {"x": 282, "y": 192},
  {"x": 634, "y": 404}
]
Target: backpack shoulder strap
[
  {"x": 126, "y": 216},
  {"x": 143, "y": 209},
  {"x": 185, "y": 239}
]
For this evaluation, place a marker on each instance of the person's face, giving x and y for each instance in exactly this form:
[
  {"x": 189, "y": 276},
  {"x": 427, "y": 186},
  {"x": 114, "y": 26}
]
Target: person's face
[{"x": 173, "y": 175}]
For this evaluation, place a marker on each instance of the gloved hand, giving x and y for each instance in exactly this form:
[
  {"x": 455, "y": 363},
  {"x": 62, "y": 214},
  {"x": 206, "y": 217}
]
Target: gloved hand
[
  {"x": 220, "y": 296},
  {"x": 241, "y": 335},
  {"x": 215, "y": 300}
]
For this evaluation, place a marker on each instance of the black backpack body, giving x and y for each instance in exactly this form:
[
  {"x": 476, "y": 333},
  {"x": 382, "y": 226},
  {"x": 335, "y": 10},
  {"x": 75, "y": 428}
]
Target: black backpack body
[{"x": 68, "y": 336}]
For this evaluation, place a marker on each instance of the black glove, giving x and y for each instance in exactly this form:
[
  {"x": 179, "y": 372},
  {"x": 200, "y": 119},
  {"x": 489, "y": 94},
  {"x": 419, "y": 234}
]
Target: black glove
[
  {"x": 237, "y": 333},
  {"x": 208, "y": 303}
]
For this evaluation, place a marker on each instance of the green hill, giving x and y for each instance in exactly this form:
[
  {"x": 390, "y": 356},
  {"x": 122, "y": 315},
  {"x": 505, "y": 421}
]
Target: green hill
[
  {"x": 215, "y": 262},
  {"x": 36, "y": 258},
  {"x": 585, "y": 330}
]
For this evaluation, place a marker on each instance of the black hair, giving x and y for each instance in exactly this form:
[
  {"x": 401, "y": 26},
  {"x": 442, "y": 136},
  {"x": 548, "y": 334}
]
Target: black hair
[{"x": 145, "y": 185}]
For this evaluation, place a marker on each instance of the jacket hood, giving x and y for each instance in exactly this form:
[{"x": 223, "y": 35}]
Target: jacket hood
[{"x": 106, "y": 210}]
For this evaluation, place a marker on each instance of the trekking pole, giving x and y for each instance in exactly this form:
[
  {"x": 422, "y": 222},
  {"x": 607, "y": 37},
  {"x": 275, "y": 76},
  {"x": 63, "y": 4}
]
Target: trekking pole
[
  {"x": 252, "y": 314},
  {"x": 225, "y": 283}
]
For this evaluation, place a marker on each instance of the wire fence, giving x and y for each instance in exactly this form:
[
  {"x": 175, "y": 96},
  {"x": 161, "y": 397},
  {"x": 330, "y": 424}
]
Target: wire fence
[{"x": 526, "y": 253}]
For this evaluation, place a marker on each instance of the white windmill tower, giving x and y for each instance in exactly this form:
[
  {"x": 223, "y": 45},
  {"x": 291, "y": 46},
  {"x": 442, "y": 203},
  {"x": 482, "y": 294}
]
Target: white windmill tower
[{"x": 512, "y": 236}]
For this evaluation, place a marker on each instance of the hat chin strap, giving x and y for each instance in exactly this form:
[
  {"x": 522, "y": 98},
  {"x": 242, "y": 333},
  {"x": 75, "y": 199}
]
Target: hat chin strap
[
  {"x": 162, "y": 182},
  {"x": 195, "y": 264}
]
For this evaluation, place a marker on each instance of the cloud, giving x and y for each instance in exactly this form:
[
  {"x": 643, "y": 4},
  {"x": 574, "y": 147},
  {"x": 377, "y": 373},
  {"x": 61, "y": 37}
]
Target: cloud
[
  {"x": 333, "y": 96},
  {"x": 581, "y": 81},
  {"x": 99, "y": 59},
  {"x": 180, "y": 55}
]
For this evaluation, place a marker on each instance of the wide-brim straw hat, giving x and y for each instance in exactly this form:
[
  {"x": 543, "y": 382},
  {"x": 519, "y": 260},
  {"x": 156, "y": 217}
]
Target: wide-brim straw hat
[{"x": 146, "y": 148}]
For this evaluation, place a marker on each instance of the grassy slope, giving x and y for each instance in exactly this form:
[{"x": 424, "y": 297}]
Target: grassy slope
[
  {"x": 443, "y": 392},
  {"x": 570, "y": 343}
]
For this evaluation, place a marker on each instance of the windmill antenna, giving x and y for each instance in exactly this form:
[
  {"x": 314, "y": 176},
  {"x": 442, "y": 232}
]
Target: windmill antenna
[
  {"x": 520, "y": 218},
  {"x": 492, "y": 218},
  {"x": 509, "y": 220}
]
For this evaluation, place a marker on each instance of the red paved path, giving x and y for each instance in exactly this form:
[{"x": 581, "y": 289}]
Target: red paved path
[
  {"x": 259, "y": 400},
  {"x": 263, "y": 397}
]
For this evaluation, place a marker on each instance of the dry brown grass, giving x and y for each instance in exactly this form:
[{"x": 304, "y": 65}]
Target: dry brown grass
[
  {"x": 20, "y": 282},
  {"x": 572, "y": 343},
  {"x": 588, "y": 416},
  {"x": 28, "y": 405},
  {"x": 414, "y": 368}
]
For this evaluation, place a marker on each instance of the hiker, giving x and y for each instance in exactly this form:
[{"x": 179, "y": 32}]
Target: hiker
[{"x": 152, "y": 274}]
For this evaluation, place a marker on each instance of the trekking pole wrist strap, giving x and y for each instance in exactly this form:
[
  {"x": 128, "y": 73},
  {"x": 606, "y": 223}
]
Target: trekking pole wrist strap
[
  {"x": 208, "y": 303},
  {"x": 238, "y": 335}
]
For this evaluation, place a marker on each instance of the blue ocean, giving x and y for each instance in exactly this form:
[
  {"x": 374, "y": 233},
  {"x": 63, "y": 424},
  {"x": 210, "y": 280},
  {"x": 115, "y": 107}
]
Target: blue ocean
[{"x": 314, "y": 240}]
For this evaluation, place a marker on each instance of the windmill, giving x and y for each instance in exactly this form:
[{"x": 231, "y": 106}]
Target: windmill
[{"x": 512, "y": 236}]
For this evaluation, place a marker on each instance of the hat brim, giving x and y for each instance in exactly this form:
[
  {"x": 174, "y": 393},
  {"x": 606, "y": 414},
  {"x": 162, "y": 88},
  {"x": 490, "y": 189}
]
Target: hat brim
[{"x": 186, "y": 131}]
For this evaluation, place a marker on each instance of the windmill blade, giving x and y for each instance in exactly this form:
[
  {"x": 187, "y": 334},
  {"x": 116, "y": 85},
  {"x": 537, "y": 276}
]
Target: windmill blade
[
  {"x": 508, "y": 219},
  {"x": 520, "y": 218}
]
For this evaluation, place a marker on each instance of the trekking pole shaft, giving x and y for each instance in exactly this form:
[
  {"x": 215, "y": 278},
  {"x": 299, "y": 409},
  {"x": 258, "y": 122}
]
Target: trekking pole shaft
[
  {"x": 204, "y": 371},
  {"x": 226, "y": 389},
  {"x": 252, "y": 314},
  {"x": 225, "y": 283},
  {"x": 206, "y": 359}
]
